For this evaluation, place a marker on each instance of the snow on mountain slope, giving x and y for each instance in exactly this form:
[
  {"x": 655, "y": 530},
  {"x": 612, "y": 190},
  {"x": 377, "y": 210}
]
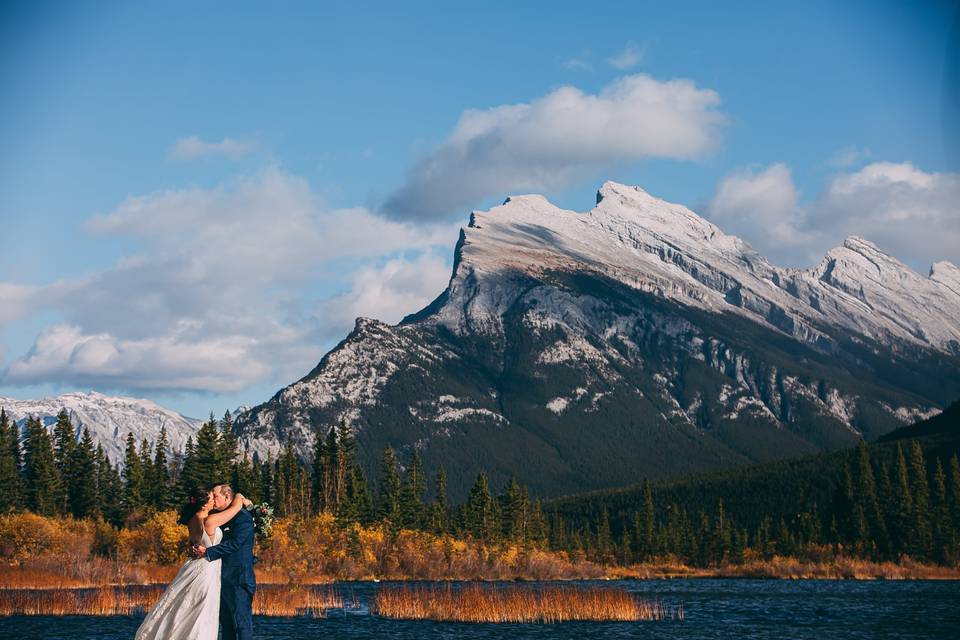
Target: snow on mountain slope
[
  {"x": 108, "y": 418},
  {"x": 584, "y": 350},
  {"x": 666, "y": 249}
]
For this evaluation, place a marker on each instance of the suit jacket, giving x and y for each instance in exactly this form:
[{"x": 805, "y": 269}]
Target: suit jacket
[{"x": 236, "y": 552}]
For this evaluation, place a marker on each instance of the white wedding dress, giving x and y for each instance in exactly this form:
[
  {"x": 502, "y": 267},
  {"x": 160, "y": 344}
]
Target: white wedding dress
[{"x": 190, "y": 607}]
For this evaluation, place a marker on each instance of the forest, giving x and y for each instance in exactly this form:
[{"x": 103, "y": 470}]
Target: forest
[{"x": 888, "y": 501}]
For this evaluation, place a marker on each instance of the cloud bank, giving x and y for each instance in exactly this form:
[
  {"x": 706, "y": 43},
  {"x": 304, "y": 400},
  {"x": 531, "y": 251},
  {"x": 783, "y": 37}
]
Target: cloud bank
[
  {"x": 906, "y": 211},
  {"x": 558, "y": 140},
  {"x": 223, "y": 294}
]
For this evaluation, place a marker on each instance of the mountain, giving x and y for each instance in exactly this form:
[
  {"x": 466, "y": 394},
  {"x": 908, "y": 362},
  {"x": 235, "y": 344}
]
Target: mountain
[
  {"x": 775, "y": 490},
  {"x": 943, "y": 425},
  {"x": 577, "y": 351},
  {"x": 108, "y": 418}
]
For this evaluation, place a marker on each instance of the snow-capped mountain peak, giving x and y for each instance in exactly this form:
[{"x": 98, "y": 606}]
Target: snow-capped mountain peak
[
  {"x": 109, "y": 419},
  {"x": 667, "y": 249},
  {"x": 582, "y": 349}
]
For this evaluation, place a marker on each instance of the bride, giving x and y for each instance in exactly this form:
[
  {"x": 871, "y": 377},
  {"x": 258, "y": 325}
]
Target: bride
[{"x": 189, "y": 609}]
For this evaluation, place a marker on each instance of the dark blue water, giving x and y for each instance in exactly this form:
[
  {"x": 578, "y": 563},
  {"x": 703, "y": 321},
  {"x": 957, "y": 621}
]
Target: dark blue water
[{"x": 713, "y": 609}]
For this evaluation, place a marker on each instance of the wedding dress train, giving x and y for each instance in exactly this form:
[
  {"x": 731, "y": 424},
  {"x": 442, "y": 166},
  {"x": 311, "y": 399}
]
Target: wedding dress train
[{"x": 189, "y": 609}]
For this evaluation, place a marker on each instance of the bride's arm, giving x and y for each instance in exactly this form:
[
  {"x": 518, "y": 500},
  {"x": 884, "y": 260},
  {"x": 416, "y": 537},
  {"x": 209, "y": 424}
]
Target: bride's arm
[
  {"x": 214, "y": 520},
  {"x": 195, "y": 527}
]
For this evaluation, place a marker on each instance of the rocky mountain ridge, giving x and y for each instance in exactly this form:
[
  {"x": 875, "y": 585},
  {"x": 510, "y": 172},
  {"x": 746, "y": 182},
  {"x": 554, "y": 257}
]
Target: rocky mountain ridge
[
  {"x": 583, "y": 350},
  {"x": 109, "y": 419}
]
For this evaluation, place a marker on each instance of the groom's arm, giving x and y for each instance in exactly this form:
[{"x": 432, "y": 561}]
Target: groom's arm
[{"x": 242, "y": 535}]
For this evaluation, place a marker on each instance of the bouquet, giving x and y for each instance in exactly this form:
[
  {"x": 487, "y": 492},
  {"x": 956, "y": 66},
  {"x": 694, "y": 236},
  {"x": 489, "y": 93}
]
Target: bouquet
[{"x": 262, "y": 520}]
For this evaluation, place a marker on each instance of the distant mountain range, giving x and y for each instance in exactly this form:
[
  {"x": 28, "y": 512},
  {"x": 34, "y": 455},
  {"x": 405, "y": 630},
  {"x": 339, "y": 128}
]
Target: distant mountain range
[
  {"x": 108, "y": 418},
  {"x": 579, "y": 351}
]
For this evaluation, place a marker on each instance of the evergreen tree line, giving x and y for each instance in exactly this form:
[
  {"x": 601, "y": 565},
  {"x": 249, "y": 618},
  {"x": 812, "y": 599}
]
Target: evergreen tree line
[
  {"x": 877, "y": 510},
  {"x": 56, "y": 474}
]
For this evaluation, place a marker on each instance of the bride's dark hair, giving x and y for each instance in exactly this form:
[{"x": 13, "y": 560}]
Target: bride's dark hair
[{"x": 199, "y": 497}]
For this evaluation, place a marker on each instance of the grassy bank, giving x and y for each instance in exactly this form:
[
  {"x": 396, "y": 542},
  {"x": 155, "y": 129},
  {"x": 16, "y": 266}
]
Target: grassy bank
[
  {"x": 271, "y": 600},
  {"x": 43, "y": 553}
]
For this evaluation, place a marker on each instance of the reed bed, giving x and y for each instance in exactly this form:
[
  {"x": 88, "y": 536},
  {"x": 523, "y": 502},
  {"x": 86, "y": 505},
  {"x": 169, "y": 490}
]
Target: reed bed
[
  {"x": 537, "y": 604},
  {"x": 270, "y": 600},
  {"x": 64, "y": 572}
]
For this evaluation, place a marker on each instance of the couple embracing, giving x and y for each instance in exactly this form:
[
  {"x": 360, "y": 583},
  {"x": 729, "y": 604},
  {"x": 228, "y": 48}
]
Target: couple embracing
[{"x": 217, "y": 582}]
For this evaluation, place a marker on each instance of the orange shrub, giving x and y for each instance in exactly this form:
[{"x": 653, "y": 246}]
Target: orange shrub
[
  {"x": 25, "y": 535},
  {"x": 160, "y": 539}
]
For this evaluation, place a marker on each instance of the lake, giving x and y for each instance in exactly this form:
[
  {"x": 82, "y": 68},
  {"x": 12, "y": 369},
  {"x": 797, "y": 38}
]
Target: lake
[{"x": 713, "y": 609}]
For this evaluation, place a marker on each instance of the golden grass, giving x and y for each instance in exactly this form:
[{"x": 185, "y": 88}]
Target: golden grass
[
  {"x": 550, "y": 604},
  {"x": 270, "y": 600},
  {"x": 65, "y": 572}
]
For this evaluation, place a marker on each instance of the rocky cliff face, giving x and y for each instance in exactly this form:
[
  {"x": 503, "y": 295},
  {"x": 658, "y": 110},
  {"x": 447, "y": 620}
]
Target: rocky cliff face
[{"x": 585, "y": 350}]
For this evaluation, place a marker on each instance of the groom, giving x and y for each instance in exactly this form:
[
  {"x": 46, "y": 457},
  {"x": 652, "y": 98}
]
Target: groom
[{"x": 237, "y": 582}]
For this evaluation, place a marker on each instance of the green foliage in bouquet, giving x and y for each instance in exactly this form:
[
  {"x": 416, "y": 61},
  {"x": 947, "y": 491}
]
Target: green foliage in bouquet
[{"x": 262, "y": 521}]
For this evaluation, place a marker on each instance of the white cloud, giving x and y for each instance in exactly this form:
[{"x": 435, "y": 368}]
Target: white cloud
[
  {"x": 388, "y": 293},
  {"x": 227, "y": 273},
  {"x": 193, "y": 147},
  {"x": 849, "y": 156},
  {"x": 64, "y": 352},
  {"x": 762, "y": 206},
  {"x": 576, "y": 64},
  {"x": 558, "y": 139},
  {"x": 909, "y": 213},
  {"x": 629, "y": 57}
]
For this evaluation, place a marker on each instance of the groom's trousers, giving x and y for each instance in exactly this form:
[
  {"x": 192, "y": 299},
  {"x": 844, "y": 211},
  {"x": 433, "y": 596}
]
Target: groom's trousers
[{"x": 236, "y": 613}]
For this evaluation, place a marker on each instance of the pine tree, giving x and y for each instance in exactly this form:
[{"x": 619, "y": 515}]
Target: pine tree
[
  {"x": 356, "y": 505},
  {"x": 203, "y": 463},
  {"x": 103, "y": 470},
  {"x": 10, "y": 485},
  {"x": 480, "y": 517},
  {"x": 872, "y": 531},
  {"x": 953, "y": 493},
  {"x": 160, "y": 484},
  {"x": 388, "y": 495},
  {"x": 604, "y": 539},
  {"x": 247, "y": 479},
  {"x": 41, "y": 480},
  {"x": 721, "y": 534},
  {"x": 229, "y": 447},
  {"x": 82, "y": 490},
  {"x": 439, "y": 510},
  {"x": 514, "y": 507},
  {"x": 133, "y": 486},
  {"x": 538, "y": 532},
  {"x": 147, "y": 473},
  {"x": 331, "y": 451},
  {"x": 901, "y": 509},
  {"x": 644, "y": 532},
  {"x": 64, "y": 442},
  {"x": 943, "y": 542},
  {"x": 292, "y": 485},
  {"x": 319, "y": 471},
  {"x": 921, "y": 538},
  {"x": 267, "y": 486},
  {"x": 411, "y": 494},
  {"x": 624, "y": 554},
  {"x": 345, "y": 459}
]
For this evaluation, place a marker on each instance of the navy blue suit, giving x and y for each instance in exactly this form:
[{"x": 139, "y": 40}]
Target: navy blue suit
[{"x": 237, "y": 582}]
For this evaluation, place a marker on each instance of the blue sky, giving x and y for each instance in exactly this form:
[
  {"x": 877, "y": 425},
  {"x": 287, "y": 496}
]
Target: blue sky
[{"x": 197, "y": 198}]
